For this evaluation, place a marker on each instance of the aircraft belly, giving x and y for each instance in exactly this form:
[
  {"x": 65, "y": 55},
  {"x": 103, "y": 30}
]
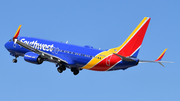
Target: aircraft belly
[{"x": 80, "y": 62}]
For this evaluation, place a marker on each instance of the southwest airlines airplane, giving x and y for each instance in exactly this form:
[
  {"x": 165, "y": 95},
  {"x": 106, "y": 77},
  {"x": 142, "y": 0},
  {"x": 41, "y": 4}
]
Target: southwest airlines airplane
[{"x": 76, "y": 58}]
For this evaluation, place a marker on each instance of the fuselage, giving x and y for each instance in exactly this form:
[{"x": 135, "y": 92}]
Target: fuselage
[
  {"x": 64, "y": 55},
  {"x": 77, "y": 56}
]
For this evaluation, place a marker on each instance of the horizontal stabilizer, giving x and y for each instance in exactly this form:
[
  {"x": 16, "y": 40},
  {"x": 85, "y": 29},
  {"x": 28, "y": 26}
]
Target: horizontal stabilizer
[{"x": 124, "y": 58}]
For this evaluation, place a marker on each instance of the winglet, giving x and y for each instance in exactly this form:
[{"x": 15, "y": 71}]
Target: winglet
[
  {"x": 161, "y": 56},
  {"x": 158, "y": 60},
  {"x": 17, "y": 32}
]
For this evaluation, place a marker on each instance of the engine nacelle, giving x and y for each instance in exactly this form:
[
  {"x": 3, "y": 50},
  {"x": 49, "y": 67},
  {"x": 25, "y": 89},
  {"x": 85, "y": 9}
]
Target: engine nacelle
[{"x": 33, "y": 58}]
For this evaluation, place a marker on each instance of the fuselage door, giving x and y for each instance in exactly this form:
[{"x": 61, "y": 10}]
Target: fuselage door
[{"x": 108, "y": 60}]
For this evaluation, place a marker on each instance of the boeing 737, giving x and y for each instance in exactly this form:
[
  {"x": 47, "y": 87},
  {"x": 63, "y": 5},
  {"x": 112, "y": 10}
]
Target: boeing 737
[{"x": 76, "y": 58}]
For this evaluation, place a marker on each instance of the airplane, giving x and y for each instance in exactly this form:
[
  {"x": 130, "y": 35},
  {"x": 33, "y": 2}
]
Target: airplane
[{"x": 76, "y": 58}]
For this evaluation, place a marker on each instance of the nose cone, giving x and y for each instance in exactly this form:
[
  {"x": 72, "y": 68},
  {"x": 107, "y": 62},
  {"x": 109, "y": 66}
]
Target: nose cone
[{"x": 6, "y": 45}]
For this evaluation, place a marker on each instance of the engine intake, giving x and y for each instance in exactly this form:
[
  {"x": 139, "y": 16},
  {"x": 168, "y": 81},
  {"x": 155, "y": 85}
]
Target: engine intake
[{"x": 33, "y": 58}]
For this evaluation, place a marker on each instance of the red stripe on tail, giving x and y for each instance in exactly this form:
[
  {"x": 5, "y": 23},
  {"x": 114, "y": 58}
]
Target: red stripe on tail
[{"x": 135, "y": 42}]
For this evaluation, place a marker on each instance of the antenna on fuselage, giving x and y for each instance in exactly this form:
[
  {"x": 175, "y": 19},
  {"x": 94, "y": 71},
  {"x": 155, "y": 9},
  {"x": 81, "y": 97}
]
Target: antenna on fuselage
[{"x": 66, "y": 42}]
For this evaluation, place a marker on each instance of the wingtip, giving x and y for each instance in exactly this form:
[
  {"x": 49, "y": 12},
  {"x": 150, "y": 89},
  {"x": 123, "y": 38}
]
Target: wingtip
[
  {"x": 161, "y": 56},
  {"x": 17, "y": 32}
]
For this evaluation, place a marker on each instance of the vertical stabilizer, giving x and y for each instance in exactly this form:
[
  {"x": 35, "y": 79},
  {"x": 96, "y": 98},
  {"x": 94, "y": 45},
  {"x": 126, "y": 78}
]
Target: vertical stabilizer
[{"x": 132, "y": 44}]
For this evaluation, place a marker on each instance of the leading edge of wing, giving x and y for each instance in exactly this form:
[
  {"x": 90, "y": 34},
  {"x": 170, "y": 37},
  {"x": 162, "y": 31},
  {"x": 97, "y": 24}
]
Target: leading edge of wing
[
  {"x": 146, "y": 61},
  {"x": 158, "y": 60},
  {"x": 41, "y": 53}
]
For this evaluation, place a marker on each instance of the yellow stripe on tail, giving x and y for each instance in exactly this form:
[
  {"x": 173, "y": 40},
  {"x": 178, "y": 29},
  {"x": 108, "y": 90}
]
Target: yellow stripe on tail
[{"x": 142, "y": 23}]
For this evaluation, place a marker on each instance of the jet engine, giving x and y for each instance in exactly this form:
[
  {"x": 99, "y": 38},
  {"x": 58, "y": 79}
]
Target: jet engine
[{"x": 33, "y": 58}]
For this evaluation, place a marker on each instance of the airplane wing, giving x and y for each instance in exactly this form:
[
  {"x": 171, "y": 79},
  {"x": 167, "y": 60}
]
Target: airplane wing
[
  {"x": 44, "y": 55},
  {"x": 158, "y": 60}
]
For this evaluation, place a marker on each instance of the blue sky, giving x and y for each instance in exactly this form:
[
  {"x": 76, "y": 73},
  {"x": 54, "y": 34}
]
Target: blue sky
[{"x": 103, "y": 24}]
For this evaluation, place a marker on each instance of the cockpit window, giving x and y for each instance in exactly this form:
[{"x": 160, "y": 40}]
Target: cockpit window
[{"x": 10, "y": 40}]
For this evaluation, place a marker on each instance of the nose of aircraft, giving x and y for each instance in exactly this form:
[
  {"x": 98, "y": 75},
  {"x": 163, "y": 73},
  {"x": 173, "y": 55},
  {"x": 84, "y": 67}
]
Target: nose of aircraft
[{"x": 7, "y": 45}]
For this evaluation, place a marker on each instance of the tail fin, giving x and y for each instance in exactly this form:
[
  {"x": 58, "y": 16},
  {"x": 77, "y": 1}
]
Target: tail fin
[{"x": 132, "y": 44}]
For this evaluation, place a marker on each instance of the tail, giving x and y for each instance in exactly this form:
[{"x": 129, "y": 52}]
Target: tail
[{"x": 132, "y": 44}]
